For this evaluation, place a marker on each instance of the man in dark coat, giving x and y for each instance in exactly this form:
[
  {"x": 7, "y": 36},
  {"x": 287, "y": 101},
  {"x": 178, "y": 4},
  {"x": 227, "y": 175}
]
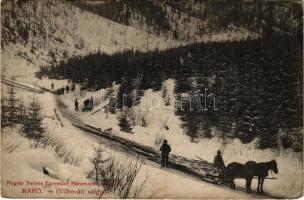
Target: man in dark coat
[
  {"x": 52, "y": 86},
  {"x": 67, "y": 88},
  {"x": 86, "y": 104},
  {"x": 165, "y": 150},
  {"x": 92, "y": 103},
  {"x": 218, "y": 161},
  {"x": 76, "y": 105}
]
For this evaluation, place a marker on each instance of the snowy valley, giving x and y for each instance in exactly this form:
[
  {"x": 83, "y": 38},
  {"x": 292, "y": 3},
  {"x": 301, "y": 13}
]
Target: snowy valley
[{"x": 66, "y": 43}]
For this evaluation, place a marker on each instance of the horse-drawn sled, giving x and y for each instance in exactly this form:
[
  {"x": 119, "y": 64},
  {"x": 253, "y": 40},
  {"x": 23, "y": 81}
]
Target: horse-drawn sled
[
  {"x": 247, "y": 171},
  {"x": 199, "y": 168}
]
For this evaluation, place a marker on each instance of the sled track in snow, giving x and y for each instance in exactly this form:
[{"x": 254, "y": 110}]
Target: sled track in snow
[
  {"x": 196, "y": 168},
  {"x": 176, "y": 162},
  {"x": 189, "y": 166},
  {"x": 20, "y": 86}
]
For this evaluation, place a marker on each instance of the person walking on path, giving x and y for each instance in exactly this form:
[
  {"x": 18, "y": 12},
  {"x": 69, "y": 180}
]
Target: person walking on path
[
  {"x": 165, "y": 150},
  {"x": 67, "y": 88},
  {"x": 76, "y": 105}
]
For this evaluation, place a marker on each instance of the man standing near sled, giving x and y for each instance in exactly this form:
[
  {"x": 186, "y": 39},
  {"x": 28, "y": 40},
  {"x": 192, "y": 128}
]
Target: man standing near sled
[
  {"x": 165, "y": 150},
  {"x": 218, "y": 161}
]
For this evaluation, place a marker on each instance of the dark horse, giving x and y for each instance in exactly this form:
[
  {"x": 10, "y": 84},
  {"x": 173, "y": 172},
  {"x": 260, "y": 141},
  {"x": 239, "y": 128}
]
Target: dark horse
[{"x": 248, "y": 171}]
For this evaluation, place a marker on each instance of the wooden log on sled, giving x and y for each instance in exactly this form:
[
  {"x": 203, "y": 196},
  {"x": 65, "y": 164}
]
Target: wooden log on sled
[
  {"x": 197, "y": 168},
  {"x": 57, "y": 117}
]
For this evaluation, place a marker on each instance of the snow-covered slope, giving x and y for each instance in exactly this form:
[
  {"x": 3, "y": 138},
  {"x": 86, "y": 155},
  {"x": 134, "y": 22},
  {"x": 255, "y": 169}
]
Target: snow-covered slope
[
  {"x": 162, "y": 123},
  {"x": 23, "y": 162},
  {"x": 44, "y": 33},
  {"x": 161, "y": 18}
]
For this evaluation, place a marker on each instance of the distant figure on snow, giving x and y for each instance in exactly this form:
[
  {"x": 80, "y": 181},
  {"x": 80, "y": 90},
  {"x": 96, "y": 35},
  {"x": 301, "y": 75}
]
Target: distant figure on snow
[
  {"x": 73, "y": 87},
  {"x": 76, "y": 105},
  {"x": 165, "y": 150},
  {"x": 87, "y": 105},
  {"x": 52, "y": 86},
  {"x": 218, "y": 161},
  {"x": 67, "y": 88},
  {"x": 92, "y": 102}
]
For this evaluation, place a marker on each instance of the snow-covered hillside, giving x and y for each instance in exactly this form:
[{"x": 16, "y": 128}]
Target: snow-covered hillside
[
  {"x": 36, "y": 34},
  {"x": 160, "y": 18},
  {"x": 23, "y": 162},
  {"x": 43, "y": 33},
  {"x": 162, "y": 123}
]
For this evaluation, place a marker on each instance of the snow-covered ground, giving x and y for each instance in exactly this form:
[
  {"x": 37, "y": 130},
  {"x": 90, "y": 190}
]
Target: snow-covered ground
[
  {"x": 22, "y": 162},
  {"x": 289, "y": 179},
  {"x": 27, "y": 163},
  {"x": 76, "y": 32}
]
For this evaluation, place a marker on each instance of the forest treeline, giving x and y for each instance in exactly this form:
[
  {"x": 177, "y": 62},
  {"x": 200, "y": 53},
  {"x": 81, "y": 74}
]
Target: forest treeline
[
  {"x": 257, "y": 84},
  {"x": 268, "y": 18}
]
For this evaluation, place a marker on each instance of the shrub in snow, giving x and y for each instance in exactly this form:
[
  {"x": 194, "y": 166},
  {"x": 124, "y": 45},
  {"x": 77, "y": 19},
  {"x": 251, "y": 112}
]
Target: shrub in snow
[
  {"x": 125, "y": 124},
  {"x": 115, "y": 176},
  {"x": 59, "y": 147}
]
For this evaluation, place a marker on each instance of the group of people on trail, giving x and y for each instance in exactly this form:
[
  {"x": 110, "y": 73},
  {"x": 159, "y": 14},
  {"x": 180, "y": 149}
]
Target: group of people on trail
[
  {"x": 88, "y": 104},
  {"x": 165, "y": 149},
  {"x": 66, "y": 88}
]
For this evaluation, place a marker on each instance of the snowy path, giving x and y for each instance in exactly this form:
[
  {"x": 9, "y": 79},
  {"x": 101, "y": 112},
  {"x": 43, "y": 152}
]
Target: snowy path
[
  {"x": 162, "y": 183},
  {"x": 20, "y": 86},
  {"x": 202, "y": 188}
]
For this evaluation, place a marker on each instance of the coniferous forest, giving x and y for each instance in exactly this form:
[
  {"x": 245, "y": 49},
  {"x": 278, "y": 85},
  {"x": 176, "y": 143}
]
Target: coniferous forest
[
  {"x": 257, "y": 84},
  {"x": 267, "y": 18}
]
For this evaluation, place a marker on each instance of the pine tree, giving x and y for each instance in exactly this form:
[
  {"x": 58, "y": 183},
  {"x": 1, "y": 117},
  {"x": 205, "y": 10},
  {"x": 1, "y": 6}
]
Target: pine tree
[
  {"x": 184, "y": 73},
  {"x": 125, "y": 93},
  {"x": 156, "y": 78},
  {"x": 12, "y": 107},
  {"x": 125, "y": 124},
  {"x": 4, "y": 114},
  {"x": 99, "y": 164},
  {"x": 33, "y": 126},
  {"x": 21, "y": 112}
]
